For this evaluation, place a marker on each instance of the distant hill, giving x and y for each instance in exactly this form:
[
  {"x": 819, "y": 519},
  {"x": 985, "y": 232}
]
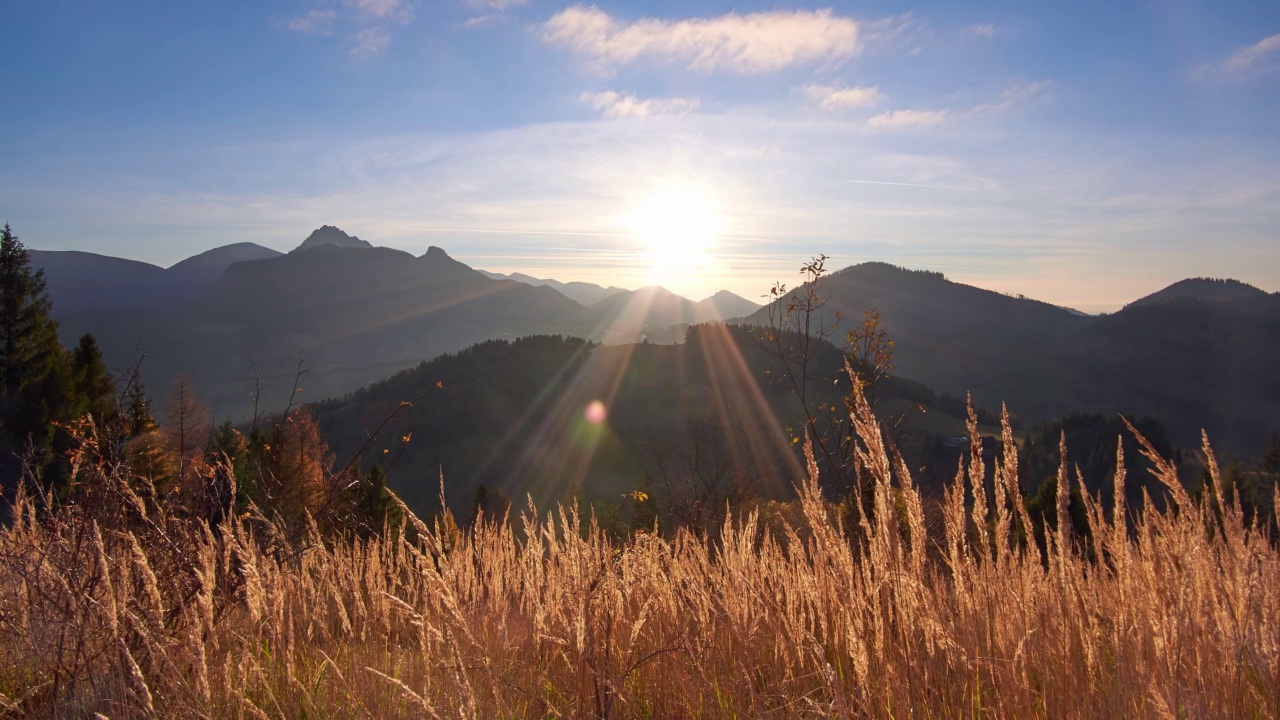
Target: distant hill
[
  {"x": 510, "y": 415},
  {"x": 1190, "y": 363},
  {"x": 330, "y": 235},
  {"x": 208, "y": 266},
  {"x": 1208, "y": 289},
  {"x": 584, "y": 293},
  {"x": 724, "y": 305},
  {"x": 81, "y": 282},
  {"x": 1197, "y": 354},
  {"x": 634, "y": 315},
  {"x": 658, "y": 315},
  {"x": 87, "y": 282},
  {"x": 1193, "y": 363},
  {"x": 956, "y": 337},
  {"x": 353, "y": 315}
]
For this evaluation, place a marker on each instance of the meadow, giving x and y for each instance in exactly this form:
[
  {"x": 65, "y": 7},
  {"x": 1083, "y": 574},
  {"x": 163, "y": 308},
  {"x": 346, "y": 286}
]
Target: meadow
[{"x": 123, "y": 605}]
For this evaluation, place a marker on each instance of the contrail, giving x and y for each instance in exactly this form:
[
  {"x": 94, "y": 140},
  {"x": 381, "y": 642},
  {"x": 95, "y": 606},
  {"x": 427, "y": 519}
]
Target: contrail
[{"x": 902, "y": 184}]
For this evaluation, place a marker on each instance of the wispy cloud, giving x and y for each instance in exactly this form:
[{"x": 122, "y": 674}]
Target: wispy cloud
[
  {"x": 315, "y": 22},
  {"x": 496, "y": 5},
  {"x": 1260, "y": 56},
  {"x": 898, "y": 119},
  {"x": 394, "y": 10},
  {"x": 1263, "y": 52},
  {"x": 367, "y": 23},
  {"x": 370, "y": 41},
  {"x": 835, "y": 97},
  {"x": 490, "y": 11},
  {"x": 749, "y": 44},
  {"x": 1013, "y": 97},
  {"x": 984, "y": 30},
  {"x": 613, "y": 104}
]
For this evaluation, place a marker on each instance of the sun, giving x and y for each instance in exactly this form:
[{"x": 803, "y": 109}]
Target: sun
[{"x": 677, "y": 227}]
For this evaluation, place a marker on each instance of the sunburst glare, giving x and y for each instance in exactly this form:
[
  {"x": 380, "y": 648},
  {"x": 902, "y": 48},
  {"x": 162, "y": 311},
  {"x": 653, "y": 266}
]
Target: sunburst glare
[{"x": 677, "y": 226}]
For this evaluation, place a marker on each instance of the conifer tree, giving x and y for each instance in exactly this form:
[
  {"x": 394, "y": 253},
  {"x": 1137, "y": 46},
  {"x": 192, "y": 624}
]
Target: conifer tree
[
  {"x": 94, "y": 387},
  {"x": 137, "y": 406},
  {"x": 35, "y": 390},
  {"x": 374, "y": 507}
]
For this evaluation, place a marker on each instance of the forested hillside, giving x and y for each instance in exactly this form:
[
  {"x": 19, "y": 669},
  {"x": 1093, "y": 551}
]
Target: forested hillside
[{"x": 1192, "y": 362}]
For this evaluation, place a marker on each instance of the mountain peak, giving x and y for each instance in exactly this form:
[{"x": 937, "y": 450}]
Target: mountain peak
[
  {"x": 884, "y": 269},
  {"x": 330, "y": 235},
  {"x": 1206, "y": 289},
  {"x": 725, "y": 305},
  {"x": 436, "y": 252}
]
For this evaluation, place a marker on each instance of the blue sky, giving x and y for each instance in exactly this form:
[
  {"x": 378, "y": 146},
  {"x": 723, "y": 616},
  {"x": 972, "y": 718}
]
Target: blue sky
[{"x": 1084, "y": 153}]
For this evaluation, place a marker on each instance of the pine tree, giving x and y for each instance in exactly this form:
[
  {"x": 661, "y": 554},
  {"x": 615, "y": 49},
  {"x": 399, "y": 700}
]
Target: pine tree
[
  {"x": 94, "y": 386},
  {"x": 137, "y": 406},
  {"x": 374, "y": 508},
  {"x": 35, "y": 390}
]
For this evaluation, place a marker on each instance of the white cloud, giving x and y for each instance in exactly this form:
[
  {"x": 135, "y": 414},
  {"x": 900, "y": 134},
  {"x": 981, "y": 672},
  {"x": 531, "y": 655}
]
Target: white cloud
[
  {"x": 315, "y": 22},
  {"x": 899, "y": 119},
  {"x": 395, "y": 10},
  {"x": 490, "y": 11},
  {"x": 1011, "y": 98},
  {"x": 754, "y": 43},
  {"x": 612, "y": 104},
  {"x": 984, "y": 30},
  {"x": 482, "y": 20},
  {"x": 1259, "y": 57},
  {"x": 1262, "y": 53},
  {"x": 373, "y": 18},
  {"x": 496, "y": 5},
  {"x": 370, "y": 41},
  {"x": 834, "y": 97}
]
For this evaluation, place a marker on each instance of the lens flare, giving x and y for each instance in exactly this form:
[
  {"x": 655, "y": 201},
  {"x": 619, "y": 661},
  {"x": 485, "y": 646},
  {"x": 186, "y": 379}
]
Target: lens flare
[{"x": 595, "y": 412}]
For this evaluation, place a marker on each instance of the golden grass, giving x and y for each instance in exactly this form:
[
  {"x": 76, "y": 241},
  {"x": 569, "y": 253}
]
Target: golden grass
[{"x": 121, "y": 608}]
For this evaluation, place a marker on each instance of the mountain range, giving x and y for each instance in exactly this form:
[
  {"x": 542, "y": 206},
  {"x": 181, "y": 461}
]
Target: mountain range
[
  {"x": 241, "y": 320},
  {"x": 1198, "y": 354},
  {"x": 1192, "y": 355}
]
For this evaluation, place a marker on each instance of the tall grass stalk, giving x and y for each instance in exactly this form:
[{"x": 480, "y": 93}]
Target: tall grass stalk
[{"x": 126, "y": 608}]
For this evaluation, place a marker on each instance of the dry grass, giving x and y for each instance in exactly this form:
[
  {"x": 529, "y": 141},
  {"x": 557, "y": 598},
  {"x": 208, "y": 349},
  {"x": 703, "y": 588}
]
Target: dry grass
[{"x": 149, "y": 614}]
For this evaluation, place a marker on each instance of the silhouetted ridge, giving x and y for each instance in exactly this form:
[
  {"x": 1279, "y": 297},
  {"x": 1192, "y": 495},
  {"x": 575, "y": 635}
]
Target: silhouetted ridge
[
  {"x": 723, "y": 306},
  {"x": 1205, "y": 289},
  {"x": 330, "y": 235},
  {"x": 209, "y": 265},
  {"x": 584, "y": 293},
  {"x": 887, "y": 269}
]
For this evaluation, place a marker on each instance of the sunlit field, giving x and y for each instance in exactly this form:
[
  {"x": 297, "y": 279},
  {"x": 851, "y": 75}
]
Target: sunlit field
[{"x": 121, "y": 606}]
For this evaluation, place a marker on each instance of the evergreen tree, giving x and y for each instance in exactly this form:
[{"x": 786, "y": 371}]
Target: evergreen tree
[
  {"x": 374, "y": 507},
  {"x": 493, "y": 504},
  {"x": 137, "y": 406},
  {"x": 35, "y": 389},
  {"x": 94, "y": 386}
]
